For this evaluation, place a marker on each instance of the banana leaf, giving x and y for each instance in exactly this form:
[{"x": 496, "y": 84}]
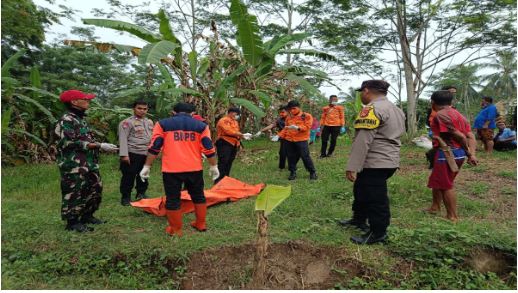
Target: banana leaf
[
  {"x": 248, "y": 36},
  {"x": 34, "y": 137},
  {"x": 38, "y": 105},
  {"x": 193, "y": 63},
  {"x": 271, "y": 197},
  {"x": 249, "y": 106},
  {"x": 166, "y": 75},
  {"x": 133, "y": 29},
  {"x": 286, "y": 40},
  {"x": 10, "y": 62},
  {"x": 6, "y": 118},
  {"x": 153, "y": 53},
  {"x": 35, "y": 77}
]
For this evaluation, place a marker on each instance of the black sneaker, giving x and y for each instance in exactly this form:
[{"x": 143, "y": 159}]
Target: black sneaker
[
  {"x": 141, "y": 196},
  {"x": 322, "y": 156},
  {"x": 293, "y": 176},
  {"x": 313, "y": 176},
  {"x": 79, "y": 227},
  {"x": 125, "y": 201},
  {"x": 354, "y": 224},
  {"x": 370, "y": 238}
]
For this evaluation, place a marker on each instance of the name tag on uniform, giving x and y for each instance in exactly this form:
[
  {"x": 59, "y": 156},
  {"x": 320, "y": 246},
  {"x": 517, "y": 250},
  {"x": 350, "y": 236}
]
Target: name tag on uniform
[{"x": 366, "y": 119}]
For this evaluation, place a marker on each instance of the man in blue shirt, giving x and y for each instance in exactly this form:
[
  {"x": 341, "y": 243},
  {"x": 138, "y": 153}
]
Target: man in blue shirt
[
  {"x": 505, "y": 138},
  {"x": 485, "y": 123}
]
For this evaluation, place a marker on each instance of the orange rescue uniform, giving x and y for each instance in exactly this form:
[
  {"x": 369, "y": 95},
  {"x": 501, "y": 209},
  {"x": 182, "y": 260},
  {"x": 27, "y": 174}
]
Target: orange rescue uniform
[
  {"x": 182, "y": 140},
  {"x": 303, "y": 121},
  {"x": 332, "y": 116},
  {"x": 227, "y": 129}
]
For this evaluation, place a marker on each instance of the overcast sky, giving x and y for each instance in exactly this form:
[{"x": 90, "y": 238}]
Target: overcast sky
[{"x": 58, "y": 32}]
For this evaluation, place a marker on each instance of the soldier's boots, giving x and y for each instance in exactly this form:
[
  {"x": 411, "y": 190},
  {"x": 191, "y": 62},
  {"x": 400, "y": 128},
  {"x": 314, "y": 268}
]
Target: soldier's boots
[
  {"x": 90, "y": 219},
  {"x": 125, "y": 200},
  {"x": 293, "y": 175},
  {"x": 141, "y": 196},
  {"x": 75, "y": 225}
]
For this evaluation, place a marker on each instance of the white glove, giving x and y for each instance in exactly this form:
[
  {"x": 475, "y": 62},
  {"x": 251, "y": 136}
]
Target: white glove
[
  {"x": 275, "y": 138},
  {"x": 144, "y": 173},
  {"x": 293, "y": 127},
  {"x": 108, "y": 147},
  {"x": 214, "y": 172},
  {"x": 258, "y": 134},
  {"x": 247, "y": 136}
]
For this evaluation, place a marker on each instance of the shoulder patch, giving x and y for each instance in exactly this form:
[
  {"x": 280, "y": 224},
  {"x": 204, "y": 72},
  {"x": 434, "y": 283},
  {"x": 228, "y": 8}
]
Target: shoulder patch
[
  {"x": 125, "y": 124},
  {"x": 366, "y": 119}
]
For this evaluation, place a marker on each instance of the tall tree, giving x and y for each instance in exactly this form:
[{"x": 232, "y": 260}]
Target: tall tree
[
  {"x": 502, "y": 83},
  {"x": 467, "y": 81},
  {"x": 24, "y": 24},
  {"x": 422, "y": 34}
]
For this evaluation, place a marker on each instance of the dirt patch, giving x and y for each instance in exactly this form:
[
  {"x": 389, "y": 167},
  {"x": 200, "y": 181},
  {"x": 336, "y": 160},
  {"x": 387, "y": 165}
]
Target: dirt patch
[
  {"x": 292, "y": 265},
  {"x": 486, "y": 260}
]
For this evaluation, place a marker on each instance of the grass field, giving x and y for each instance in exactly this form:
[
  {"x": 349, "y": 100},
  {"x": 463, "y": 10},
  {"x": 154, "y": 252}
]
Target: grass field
[{"x": 132, "y": 250}]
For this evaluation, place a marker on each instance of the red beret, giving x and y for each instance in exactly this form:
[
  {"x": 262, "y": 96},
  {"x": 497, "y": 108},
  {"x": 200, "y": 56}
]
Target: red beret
[{"x": 71, "y": 95}]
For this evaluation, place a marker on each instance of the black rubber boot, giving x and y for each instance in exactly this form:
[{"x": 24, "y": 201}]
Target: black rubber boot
[
  {"x": 370, "y": 238},
  {"x": 293, "y": 176},
  {"x": 75, "y": 225}
]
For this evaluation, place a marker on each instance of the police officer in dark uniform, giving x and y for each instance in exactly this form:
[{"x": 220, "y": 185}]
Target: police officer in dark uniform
[{"x": 373, "y": 159}]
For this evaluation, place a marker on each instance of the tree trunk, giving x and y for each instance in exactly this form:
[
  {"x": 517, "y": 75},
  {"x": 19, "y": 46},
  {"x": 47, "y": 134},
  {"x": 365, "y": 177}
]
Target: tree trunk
[
  {"x": 407, "y": 67},
  {"x": 259, "y": 277}
]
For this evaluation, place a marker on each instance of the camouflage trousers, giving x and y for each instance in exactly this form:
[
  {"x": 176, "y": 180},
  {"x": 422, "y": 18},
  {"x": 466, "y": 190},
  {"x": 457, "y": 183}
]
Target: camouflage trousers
[{"x": 81, "y": 194}]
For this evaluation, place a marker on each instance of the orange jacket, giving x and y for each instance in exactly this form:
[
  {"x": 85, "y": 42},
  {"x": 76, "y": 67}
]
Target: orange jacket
[
  {"x": 303, "y": 121},
  {"x": 227, "y": 129},
  {"x": 182, "y": 140},
  {"x": 332, "y": 116}
]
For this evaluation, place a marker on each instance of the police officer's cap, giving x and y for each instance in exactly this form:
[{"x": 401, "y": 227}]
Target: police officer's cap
[
  {"x": 183, "y": 108},
  {"x": 375, "y": 84},
  {"x": 293, "y": 104},
  {"x": 234, "y": 109}
]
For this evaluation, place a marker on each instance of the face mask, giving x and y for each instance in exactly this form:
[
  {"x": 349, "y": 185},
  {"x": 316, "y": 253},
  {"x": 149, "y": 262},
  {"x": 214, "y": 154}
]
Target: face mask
[
  {"x": 237, "y": 117},
  {"x": 334, "y": 103}
]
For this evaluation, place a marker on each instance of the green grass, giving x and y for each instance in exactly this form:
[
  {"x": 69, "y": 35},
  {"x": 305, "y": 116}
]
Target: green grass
[{"x": 132, "y": 250}]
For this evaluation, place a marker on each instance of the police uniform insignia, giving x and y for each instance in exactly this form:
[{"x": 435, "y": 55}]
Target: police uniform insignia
[{"x": 366, "y": 119}]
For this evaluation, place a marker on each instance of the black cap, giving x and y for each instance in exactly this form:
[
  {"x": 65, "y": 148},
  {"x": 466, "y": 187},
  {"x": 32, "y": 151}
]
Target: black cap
[
  {"x": 292, "y": 104},
  {"x": 234, "y": 109},
  {"x": 183, "y": 108},
  {"x": 375, "y": 84}
]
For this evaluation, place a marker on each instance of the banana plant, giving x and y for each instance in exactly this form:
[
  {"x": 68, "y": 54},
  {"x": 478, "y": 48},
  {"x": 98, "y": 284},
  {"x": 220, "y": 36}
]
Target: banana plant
[
  {"x": 28, "y": 116},
  {"x": 270, "y": 198}
]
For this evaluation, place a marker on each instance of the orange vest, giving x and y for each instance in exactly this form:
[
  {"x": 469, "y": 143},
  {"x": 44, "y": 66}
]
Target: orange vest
[
  {"x": 332, "y": 116},
  {"x": 227, "y": 129},
  {"x": 182, "y": 139},
  {"x": 303, "y": 121}
]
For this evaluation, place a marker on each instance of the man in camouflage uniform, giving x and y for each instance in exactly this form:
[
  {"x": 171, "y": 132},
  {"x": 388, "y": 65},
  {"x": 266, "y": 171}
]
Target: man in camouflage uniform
[
  {"x": 77, "y": 159},
  {"x": 134, "y": 138}
]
